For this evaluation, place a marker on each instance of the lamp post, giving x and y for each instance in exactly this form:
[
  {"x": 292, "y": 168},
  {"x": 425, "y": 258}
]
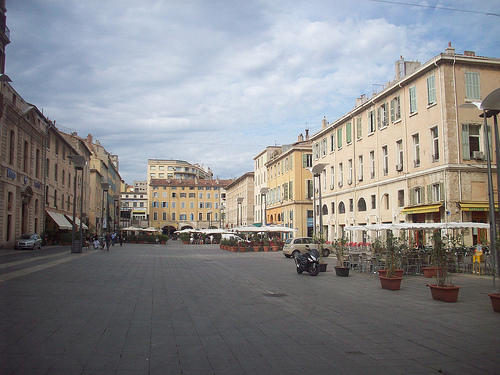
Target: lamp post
[
  {"x": 316, "y": 171},
  {"x": 105, "y": 187},
  {"x": 238, "y": 212},
  {"x": 263, "y": 193},
  {"x": 209, "y": 214},
  {"x": 78, "y": 162},
  {"x": 491, "y": 108}
]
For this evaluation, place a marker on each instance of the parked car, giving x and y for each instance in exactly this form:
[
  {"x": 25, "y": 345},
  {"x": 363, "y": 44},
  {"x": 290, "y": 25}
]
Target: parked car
[
  {"x": 295, "y": 246},
  {"x": 28, "y": 241}
]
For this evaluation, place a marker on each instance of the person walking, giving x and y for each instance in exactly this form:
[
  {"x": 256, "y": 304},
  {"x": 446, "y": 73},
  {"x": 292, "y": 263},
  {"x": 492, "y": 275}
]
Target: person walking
[
  {"x": 107, "y": 240},
  {"x": 121, "y": 239}
]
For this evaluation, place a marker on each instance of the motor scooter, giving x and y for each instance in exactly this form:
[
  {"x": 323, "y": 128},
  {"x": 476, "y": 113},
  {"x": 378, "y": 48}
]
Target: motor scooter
[{"x": 308, "y": 262}]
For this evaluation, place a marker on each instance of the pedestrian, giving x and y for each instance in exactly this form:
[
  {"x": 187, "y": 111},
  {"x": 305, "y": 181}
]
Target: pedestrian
[
  {"x": 96, "y": 243},
  {"x": 107, "y": 240},
  {"x": 121, "y": 239},
  {"x": 113, "y": 238},
  {"x": 87, "y": 240}
]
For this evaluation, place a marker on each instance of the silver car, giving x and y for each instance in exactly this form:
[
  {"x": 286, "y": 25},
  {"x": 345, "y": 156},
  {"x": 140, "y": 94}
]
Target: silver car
[
  {"x": 295, "y": 246},
  {"x": 28, "y": 241}
]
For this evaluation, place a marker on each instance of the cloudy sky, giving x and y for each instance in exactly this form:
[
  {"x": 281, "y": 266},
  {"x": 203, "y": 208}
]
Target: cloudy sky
[{"x": 214, "y": 82}]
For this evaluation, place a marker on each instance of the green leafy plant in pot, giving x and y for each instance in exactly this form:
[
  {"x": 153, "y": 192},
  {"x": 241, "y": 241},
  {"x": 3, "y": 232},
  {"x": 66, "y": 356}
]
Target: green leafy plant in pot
[
  {"x": 339, "y": 246},
  {"x": 392, "y": 279},
  {"x": 443, "y": 290}
]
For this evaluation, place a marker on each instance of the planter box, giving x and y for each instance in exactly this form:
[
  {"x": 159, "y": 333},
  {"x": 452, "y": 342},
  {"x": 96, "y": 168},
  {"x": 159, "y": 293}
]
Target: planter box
[
  {"x": 256, "y": 248},
  {"x": 397, "y": 273},
  {"x": 390, "y": 283},
  {"x": 495, "y": 301},
  {"x": 322, "y": 267},
  {"x": 447, "y": 293},
  {"x": 275, "y": 248},
  {"x": 342, "y": 271},
  {"x": 430, "y": 271},
  {"x": 266, "y": 247}
]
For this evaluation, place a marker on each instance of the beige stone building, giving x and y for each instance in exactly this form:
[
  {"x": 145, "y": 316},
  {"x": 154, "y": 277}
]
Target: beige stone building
[
  {"x": 239, "y": 206},
  {"x": 176, "y": 204},
  {"x": 22, "y": 164},
  {"x": 289, "y": 181},
  {"x": 260, "y": 181},
  {"x": 408, "y": 153}
]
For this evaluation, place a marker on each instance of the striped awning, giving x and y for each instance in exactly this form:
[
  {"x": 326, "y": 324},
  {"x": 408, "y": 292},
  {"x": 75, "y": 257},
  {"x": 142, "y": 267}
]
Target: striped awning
[
  {"x": 476, "y": 206},
  {"x": 59, "y": 219},
  {"x": 77, "y": 220},
  {"x": 422, "y": 209}
]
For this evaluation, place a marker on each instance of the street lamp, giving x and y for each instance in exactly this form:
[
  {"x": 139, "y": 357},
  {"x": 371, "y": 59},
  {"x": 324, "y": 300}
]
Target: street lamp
[
  {"x": 316, "y": 171},
  {"x": 263, "y": 192},
  {"x": 238, "y": 209},
  {"x": 491, "y": 108},
  {"x": 78, "y": 162},
  {"x": 105, "y": 187}
]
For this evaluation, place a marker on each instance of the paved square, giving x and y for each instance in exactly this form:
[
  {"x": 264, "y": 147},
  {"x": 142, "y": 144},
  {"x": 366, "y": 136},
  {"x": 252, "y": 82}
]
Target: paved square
[{"x": 196, "y": 309}]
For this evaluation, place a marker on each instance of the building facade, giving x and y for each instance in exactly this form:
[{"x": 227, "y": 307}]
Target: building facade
[
  {"x": 260, "y": 181},
  {"x": 288, "y": 201},
  {"x": 409, "y": 153},
  {"x": 178, "y": 204},
  {"x": 239, "y": 207}
]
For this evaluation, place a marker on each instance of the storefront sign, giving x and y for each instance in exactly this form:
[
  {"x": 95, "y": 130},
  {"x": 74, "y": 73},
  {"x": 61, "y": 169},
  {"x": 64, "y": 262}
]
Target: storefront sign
[{"x": 11, "y": 174}]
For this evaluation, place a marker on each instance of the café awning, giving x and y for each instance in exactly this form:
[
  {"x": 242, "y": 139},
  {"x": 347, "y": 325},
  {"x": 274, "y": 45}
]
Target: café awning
[
  {"x": 421, "y": 209},
  {"x": 77, "y": 220},
  {"x": 59, "y": 219},
  {"x": 476, "y": 206}
]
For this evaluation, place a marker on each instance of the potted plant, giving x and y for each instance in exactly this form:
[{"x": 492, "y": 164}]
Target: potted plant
[
  {"x": 185, "y": 237},
  {"x": 274, "y": 245},
  {"x": 340, "y": 268},
  {"x": 320, "y": 240},
  {"x": 265, "y": 243},
  {"x": 443, "y": 290},
  {"x": 391, "y": 280}
]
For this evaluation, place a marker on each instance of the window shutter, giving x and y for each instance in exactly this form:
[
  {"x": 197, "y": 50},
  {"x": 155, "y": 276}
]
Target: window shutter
[
  {"x": 412, "y": 197},
  {"x": 429, "y": 193},
  {"x": 465, "y": 142},
  {"x": 378, "y": 118},
  {"x": 304, "y": 160},
  {"x": 441, "y": 191}
]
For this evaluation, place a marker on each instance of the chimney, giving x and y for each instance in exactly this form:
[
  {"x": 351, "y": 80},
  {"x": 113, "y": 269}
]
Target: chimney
[
  {"x": 301, "y": 138},
  {"x": 324, "y": 123},
  {"x": 90, "y": 139},
  {"x": 449, "y": 50},
  {"x": 307, "y": 134},
  {"x": 360, "y": 100},
  {"x": 470, "y": 53}
]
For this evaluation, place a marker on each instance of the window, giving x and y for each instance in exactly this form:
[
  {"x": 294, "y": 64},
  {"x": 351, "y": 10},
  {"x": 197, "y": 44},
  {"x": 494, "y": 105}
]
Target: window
[
  {"x": 12, "y": 144},
  {"x": 472, "y": 87},
  {"x": 333, "y": 208},
  {"x": 431, "y": 90},
  {"x": 341, "y": 208},
  {"x": 323, "y": 147},
  {"x": 416, "y": 150},
  {"x": 191, "y": 205},
  {"x": 359, "y": 128},
  {"x": 309, "y": 189},
  {"x": 373, "y": 199},
  {"x": 371, "y": 122},
  {"x": 341, "y": 175},
  {"x": 26, "y": 156},
  {"x": 436, "y": 192},
  {"x": 435, "y": 143},
  {"x": 386, "y": 201},
  {"x": 173, "y": 204},
  {"x": 152, "y": 168},
  {"x": 339, "y": 138},
  {"x": 182, "y": 217},
  {"x": 400, "y": 156},
  {"x": 382, "y": 116},
  {"x": 385, "y": 160},
  {"x": 332, "y": 177},
  {"x": 156, "y": 194},
  {"x": 332, "y": 142},
  {"x": 155, "y": 215},
  {"x": 471, "y": 144},
  {"x": 348, "y": 133},
  {"x": 361, "y": 205},
  {"x": 173, "y": 216},
  {"x": 413, "y": 99},
  {"x": 164, "y": 204},
  {"x": 306, "y": 160},
  {"x": 164, "y": 216},
  {"x": 155, "y": 204},
  {"x": 360, "y": 168},
  {"x": 324, "y": 179},
  {"x": 351, "y": 205},
  {"x": 417, "y": 195},
  {"x": 316, "y": 150},
  {"x": 183, "y": 204},
  {"x": 372, "y": 164},
  {"x": 395, "y": 109},
  {"x": 349, "y": 176},
  {"x": 401, "y": 198},
  {"x": 56, "y": 172},
  {"x": 37, "y": 163}
]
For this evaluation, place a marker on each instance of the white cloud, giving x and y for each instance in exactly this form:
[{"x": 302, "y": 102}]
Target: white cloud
[{"x": 214, "y": 82}]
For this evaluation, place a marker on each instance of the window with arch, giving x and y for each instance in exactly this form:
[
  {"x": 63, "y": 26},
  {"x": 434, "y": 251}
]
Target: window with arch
[
  {"x": 361, "y": 204},
  {"x": 341, "y": 208},
  {"x": 385, "y": 201},
  {"x": 325, "y": 209}
]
